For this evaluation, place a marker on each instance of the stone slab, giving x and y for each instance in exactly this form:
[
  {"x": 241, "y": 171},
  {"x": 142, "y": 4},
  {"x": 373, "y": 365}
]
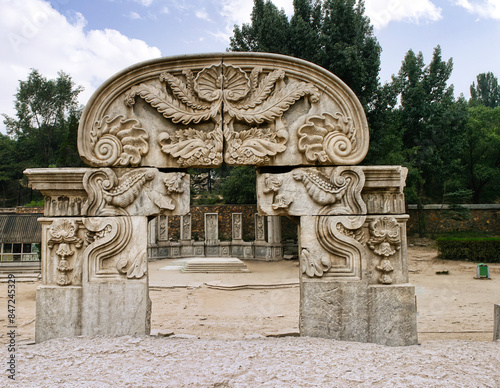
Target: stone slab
[
  {"x": 356, "y": 311},
  {"x": 58, "y": 312},
  {"x": 116, "y": 308}
]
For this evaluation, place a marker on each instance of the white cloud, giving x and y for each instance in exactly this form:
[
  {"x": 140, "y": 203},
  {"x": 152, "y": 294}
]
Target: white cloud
[
  {"x": 165, "y": 10},
  {"x": 134, "y": 16},
  {"x": 145, "y": 3},
  {"x": 202, "y": 14},
  {"x": 382, "y": 12},
  {"x": 487, "y": 9},
  {"x": 39, "y": 37}
]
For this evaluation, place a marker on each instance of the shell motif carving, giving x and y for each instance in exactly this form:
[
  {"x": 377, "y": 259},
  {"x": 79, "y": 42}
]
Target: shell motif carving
[
  {"x": 385, "y": 241},
  {"x": 224, "y": 95}
]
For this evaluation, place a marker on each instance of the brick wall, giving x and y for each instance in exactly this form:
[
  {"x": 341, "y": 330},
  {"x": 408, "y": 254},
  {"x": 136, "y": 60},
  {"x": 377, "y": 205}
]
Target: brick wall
[{"x": 438, "y": 219}]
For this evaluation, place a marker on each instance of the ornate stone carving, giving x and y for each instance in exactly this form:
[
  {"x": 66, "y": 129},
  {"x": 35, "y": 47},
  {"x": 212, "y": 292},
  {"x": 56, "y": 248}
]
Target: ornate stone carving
[
  {"x": 110, "y": 195},
  {"x": 224, "y": 95},
  {"x": 327, "y": 138},
  {"x": 338, "y": 194},
  {"x": 117, "y": 141},
  {"x": 260, "y": 233},
  {"x": 163, "y": 228},
  {"x": 186, "y": 227},
  {"x": 314, "y": 265},
  {"x": 385, "y": 241},
  {"x": 211, "y": 228},
  {"x": 237, "y": 226},
  {"x": 63, "y": 232}
]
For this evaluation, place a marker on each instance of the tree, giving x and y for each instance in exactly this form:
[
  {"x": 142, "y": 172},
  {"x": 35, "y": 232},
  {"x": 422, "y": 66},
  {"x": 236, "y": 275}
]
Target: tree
[
  {"x": 334, "y": 34},
  {"x": 42, "y": 108},
  {"x": 481, "y": 154},
  {"x": 239, "y": 186},
  {"x": 268, "y": 31},
  {"x": 9, "y": 170},
  {"x": 486, "y": 92}
]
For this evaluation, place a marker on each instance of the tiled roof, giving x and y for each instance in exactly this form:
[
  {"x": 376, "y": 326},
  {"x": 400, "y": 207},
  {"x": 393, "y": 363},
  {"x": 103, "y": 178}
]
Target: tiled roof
[{"x": 20, "y": 228}]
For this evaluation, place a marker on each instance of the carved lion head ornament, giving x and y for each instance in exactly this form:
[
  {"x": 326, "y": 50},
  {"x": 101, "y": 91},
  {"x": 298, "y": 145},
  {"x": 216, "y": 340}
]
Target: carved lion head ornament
[{"x": 237, "y": 108}]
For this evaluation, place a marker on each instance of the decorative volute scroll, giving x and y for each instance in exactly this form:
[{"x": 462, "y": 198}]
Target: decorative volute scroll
[{"x": 240, "y": 108}]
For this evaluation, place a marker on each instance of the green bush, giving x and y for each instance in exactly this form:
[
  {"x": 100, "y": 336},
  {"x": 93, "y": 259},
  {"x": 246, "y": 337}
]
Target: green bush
[{"x": 485, "y": 250}]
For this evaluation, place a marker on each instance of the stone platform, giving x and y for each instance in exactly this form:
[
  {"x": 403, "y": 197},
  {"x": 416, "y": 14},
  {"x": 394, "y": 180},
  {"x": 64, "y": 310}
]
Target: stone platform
[{"x": 209, "y": 265}]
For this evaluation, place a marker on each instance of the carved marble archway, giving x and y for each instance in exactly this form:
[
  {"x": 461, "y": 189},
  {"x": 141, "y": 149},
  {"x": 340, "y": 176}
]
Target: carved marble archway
[{"x": 275, "y": 112}]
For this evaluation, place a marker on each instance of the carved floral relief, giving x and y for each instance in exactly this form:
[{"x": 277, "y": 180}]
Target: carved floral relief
[
  {"x": 63, "y": 234},
  {"x": 385, "y": 241}
]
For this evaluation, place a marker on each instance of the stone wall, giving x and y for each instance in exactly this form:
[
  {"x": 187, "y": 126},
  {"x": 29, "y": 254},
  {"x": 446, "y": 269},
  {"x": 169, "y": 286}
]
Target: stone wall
[
  {"x": 439, "y": 219},
  {"x": 288, "y": 227}
]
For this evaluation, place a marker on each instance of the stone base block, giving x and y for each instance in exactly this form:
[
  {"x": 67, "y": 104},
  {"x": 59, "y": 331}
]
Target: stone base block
[
  {"x": 356, "y": 311},
  {"x": 58, "y": 312},
  {"x": 393, "y": 315},
  {"x": 116, "y": 308}
]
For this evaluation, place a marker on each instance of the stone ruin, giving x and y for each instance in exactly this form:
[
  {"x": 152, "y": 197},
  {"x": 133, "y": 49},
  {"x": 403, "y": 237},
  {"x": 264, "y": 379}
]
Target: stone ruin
[{"x": 306, "y": 133}]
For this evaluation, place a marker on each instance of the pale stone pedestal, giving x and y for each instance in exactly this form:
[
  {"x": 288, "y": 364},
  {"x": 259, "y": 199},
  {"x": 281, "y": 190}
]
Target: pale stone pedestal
[
  {"x": 356, "y": 311},
  {"x": 58, "y": 312}
]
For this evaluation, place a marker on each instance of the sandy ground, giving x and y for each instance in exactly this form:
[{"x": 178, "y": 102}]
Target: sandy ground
[{"x": 455, "y": 324}]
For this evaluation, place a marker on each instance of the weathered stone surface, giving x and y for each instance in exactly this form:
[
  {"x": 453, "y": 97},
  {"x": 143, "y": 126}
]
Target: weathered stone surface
[
  {"x": 106, "y": 191},
  {"x": 58, "y": 312},
  {"x": 116, "y": 308},
  {"x": 393, "y": 315},
  {"x": 245, "y": 109},
  {"x": 356, "y": 311},
  {"x": 345, "y": 190}
]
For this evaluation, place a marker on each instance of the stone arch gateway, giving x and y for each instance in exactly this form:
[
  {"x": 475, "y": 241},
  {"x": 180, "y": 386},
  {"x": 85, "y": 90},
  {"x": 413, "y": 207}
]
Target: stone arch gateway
[{"x": 306, "y": 133}]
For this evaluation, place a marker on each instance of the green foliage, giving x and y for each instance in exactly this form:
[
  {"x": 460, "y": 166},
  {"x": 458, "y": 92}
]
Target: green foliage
[
  {"x": 480, "y": 156},
  {"x": 485, "y": 250},
  {"x": 334, "y": 34},
  {"x": 239, "y": 186},
  {"x": 42, "y": 108},
  {"x": 486, "y": 92},
  {"x": 36, "y": 203}
]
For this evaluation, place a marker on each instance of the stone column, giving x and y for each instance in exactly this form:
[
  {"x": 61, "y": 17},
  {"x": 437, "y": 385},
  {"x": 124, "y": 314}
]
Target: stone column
[
  {"x": 95, "y": 263},
  {"x": 353, "y": 258}
]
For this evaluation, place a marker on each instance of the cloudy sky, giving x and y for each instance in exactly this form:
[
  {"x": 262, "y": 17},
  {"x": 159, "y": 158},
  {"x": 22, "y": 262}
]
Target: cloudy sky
[{"x": 93, "y": 39}]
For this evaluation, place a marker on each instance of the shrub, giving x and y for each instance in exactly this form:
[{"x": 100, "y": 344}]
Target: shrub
[{"x": 469, "y": 249}]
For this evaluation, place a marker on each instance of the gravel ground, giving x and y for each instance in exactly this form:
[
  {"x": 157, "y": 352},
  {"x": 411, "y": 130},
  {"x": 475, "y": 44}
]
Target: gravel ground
[{"x": 254, "y": 362}]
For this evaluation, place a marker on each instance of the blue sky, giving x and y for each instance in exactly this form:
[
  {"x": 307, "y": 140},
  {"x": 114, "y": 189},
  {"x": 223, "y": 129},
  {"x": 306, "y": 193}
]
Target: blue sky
[{"x": 91, "y": 40}]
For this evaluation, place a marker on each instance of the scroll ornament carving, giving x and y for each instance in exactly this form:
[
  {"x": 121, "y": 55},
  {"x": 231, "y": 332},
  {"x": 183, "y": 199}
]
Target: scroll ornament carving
[
  {"x": 223, "y": 95},
  {"x": 340, "y": 193},
  {"x": 63, "y": 232},
  {"x": 118, "y": 141},
  {"x": 327, "y": 138},
  {"x": 385, "y": 241}
]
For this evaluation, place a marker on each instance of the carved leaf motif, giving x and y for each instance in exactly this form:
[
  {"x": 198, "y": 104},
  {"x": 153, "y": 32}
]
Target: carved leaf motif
[
  {"x": 319, "y": 187},
  {"x": 275, "y": 105},
  {"x": 192, "y": 147},
  {"x": 168, "y": 106},
  {"x": 118, "y": 142},
  {"x": 314, "y": 265},
  {"x": 183, "y": 92},
  {"x": 254, "y": 146},
  {"x": 236, "y": 83},
  {"x": 139, "y": 267},
  {"x": 264, "y": 88}
]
